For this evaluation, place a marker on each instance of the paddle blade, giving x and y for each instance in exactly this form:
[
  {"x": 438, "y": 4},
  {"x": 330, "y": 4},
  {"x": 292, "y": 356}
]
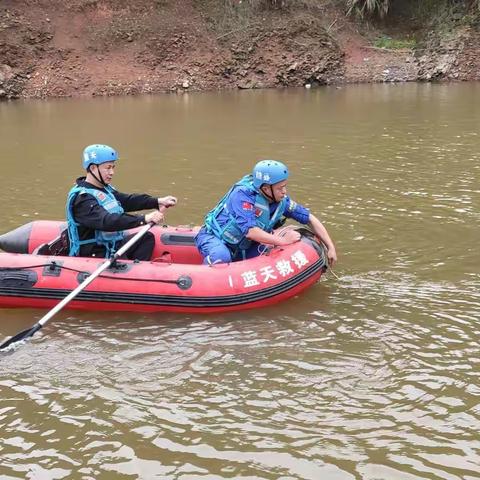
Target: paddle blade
[{"x": 21, "y": 336}]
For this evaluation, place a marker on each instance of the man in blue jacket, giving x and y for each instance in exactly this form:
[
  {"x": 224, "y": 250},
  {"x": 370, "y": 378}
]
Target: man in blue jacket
[
  {"x": 245, "y": 219},
  {"x": 96, "y": 212}
]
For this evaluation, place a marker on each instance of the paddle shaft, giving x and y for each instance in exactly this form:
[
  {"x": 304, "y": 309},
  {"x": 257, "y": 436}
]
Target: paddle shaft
[
  {"x": 74, "y": 293},
  {"x": 94, "y": 275}
]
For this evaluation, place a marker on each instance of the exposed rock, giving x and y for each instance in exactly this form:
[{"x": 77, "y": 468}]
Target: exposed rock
[
  {"x": 440, "y": 54},
  {"x": 6, "y": 73},
  {"x": 106, "y": 47}
]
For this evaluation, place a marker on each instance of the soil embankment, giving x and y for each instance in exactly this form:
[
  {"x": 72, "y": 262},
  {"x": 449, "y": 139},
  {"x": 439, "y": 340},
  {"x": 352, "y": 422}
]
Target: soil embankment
[{"x": 106, "y": 47}]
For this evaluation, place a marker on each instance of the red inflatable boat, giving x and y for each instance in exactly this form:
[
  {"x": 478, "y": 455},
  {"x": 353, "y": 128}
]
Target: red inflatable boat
[{"x": 175, "y": 279}]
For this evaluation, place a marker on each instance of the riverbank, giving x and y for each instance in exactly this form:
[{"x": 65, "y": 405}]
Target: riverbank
[{"x": 93, "y": 47}]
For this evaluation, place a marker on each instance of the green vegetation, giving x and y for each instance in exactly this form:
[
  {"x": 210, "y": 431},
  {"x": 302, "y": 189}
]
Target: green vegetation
[
  {"x": 368, "y": 7},
  {"x": 395, "y": 43},
  {"x": 362, "y": 8},
  {"x": 423, "y": 8},
  {"x": 237, "y": 19}
]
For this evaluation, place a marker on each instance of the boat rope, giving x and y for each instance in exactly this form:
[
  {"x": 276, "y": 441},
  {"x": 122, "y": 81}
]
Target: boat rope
[
  {"x": 333, "y": 273},
  {"x": 55, "y": 265}
]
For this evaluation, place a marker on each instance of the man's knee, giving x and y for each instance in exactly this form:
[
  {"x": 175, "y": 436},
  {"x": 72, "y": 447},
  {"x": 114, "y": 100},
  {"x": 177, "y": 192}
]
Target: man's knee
[
  {"x": 149, "y": 239},
  {"x": 219, "y": 254},
  {"x": 143, "y": 249},
  {"x": 212, "y": 249},
  {"x": 147, "y": 245}
]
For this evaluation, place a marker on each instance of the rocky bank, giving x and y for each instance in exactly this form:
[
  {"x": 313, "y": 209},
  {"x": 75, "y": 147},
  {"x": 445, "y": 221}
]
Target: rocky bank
[{"x": 115, "y": 47}]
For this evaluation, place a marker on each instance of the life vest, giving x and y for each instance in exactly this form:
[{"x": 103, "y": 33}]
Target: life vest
[
  {"x": 106, "y": 200},
  {"x": 230, "y": 232}
]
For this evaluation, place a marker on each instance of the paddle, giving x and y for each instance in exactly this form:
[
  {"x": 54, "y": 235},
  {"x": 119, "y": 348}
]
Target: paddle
[{"x": 31, "y": 331}]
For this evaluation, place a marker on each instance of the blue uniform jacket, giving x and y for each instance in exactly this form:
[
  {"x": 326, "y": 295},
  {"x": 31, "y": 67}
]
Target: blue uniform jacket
[{"x": 241, "y": 205}]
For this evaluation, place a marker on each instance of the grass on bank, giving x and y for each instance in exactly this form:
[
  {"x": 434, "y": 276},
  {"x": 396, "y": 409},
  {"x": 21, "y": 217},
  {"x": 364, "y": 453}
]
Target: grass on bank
[{"x": 395, "y": 43}]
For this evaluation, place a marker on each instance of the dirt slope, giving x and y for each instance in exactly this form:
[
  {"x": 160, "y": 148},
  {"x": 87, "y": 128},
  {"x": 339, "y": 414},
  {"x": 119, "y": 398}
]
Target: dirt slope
[{"x": 112, "y": 47}]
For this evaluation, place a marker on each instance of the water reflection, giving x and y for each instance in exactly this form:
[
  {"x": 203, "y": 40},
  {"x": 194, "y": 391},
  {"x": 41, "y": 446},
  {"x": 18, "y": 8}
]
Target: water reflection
[{"x": 374, "y": 375}]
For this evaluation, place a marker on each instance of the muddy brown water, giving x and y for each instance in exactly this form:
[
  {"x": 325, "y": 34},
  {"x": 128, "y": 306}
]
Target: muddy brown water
[{"x": 374, "y": 375}]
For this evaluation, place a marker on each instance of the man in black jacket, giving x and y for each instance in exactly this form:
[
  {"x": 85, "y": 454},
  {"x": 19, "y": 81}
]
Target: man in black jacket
[{"x": 96, "y": 212}]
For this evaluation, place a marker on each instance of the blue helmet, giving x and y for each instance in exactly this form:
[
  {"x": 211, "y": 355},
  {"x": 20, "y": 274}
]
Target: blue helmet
[
  {"x": 269, "y": 172},
  {"x": 98, "y": 154}
]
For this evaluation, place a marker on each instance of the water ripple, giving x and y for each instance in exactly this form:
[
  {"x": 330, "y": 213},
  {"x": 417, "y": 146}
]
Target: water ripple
[{"x": 374, "y": 375}]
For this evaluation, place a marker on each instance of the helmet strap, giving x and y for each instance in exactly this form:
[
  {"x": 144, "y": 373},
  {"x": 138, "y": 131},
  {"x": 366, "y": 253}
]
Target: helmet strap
[
  {"x": 100, "y": 180},
  {"x": 270, "y": 197}
]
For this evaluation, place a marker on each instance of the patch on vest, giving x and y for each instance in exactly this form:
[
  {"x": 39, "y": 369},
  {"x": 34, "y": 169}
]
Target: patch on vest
[
  {"x": 110, "y": 205},
  {"x": 247, "y": 206}
]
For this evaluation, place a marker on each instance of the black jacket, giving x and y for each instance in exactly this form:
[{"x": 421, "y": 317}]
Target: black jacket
[{"x": 91, "y": 216}]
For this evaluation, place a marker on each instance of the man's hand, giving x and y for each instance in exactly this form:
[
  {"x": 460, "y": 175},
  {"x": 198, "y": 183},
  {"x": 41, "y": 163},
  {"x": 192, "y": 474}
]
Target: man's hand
[
  {"x": 288, "y": 236},
  {"x": 167, "y": 201},
  {"x": 284, "y": 236},
  {"x": 155, "y": 217},
  {"x": 332, "y": 256}
]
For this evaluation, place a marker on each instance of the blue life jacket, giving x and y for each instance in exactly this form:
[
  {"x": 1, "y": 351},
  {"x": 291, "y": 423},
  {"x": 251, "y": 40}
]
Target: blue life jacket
[
  {"x": 230, "y": 232},
  {"x": 106, "y": 200}
]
